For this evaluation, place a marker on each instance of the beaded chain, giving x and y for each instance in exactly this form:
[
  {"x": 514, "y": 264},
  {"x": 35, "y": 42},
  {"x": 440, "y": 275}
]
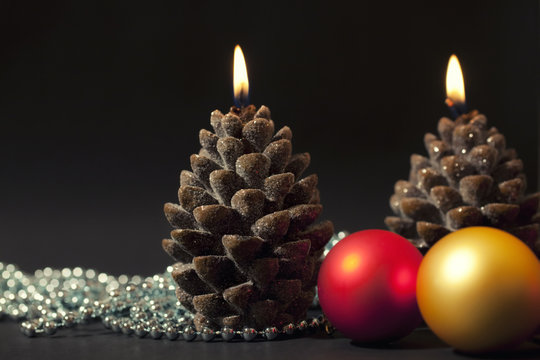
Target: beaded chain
[{"x": 52, "y": 299}]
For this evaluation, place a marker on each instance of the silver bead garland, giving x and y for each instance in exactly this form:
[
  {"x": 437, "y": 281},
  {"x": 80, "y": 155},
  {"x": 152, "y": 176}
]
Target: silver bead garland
[{"x": 53, "y": 299}]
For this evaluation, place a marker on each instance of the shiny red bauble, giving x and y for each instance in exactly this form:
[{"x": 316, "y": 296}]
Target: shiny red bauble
[{"x": 367, "y": 286}]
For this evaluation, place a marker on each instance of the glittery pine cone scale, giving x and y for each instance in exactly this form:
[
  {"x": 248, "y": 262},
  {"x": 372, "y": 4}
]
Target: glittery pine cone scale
[
  {"x": 246, "y": 243},
  {"x": 469, "y": 179}
]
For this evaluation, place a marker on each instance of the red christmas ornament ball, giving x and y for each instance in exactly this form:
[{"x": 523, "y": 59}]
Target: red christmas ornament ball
[{"x": 367, "y": 286}]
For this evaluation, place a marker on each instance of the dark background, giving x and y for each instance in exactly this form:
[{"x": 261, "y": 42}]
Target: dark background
[{"x": 101, "y": 103}]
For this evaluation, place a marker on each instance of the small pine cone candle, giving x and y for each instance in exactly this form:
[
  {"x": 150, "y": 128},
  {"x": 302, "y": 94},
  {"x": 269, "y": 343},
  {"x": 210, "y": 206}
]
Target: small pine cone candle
[
  {"x": 469, "y": 179},
  {"x": 245, "y": 239}
]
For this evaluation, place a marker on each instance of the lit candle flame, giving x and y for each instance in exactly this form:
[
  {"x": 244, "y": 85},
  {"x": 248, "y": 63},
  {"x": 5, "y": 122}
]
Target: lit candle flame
[
  {"x": 455, "y": 87},
  {"x": 240, "y": 78}
]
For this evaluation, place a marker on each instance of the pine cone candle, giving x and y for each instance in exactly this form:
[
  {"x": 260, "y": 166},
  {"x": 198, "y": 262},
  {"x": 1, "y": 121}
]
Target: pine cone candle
[
  {"x": 469, "y": 179},
  {"x": 245, "y": 242}
]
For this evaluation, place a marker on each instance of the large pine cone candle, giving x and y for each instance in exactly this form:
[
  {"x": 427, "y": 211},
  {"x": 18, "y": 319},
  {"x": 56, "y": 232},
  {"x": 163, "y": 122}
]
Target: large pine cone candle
[
  {"x": 469, "y": 179},
  {"x": 245, "y": 242}
]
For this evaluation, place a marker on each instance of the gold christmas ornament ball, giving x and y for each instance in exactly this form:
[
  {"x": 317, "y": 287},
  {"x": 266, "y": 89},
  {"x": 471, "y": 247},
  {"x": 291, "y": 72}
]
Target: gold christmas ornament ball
[{"x": 478, "y": 289}]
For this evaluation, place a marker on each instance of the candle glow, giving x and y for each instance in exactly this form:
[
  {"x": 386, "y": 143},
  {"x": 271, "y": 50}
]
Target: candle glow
[
  {"x": 455, "y": 87},
  {"x": 240, "y": 78}
]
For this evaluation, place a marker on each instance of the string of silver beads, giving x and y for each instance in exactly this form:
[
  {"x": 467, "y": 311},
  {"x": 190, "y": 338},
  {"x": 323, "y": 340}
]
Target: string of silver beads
[{"x": 53, "y": 299}]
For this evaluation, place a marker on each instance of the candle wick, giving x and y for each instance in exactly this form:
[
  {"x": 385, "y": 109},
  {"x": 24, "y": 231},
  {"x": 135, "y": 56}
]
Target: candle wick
[
  {"x": 242, "y": 100},
  {"x": 456, "y": 109}
]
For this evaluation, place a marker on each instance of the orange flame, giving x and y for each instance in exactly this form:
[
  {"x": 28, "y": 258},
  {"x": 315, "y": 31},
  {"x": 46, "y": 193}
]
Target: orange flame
[
  {"x": 240, "y": 77},
  {"x": 455, "y": 87}
]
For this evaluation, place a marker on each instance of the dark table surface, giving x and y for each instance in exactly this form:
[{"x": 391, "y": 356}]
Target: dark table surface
[{"x": 95, "y": 342}]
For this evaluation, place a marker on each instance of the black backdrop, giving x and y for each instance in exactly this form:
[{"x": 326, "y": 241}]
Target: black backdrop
[{"x": 101, "y": 103}]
